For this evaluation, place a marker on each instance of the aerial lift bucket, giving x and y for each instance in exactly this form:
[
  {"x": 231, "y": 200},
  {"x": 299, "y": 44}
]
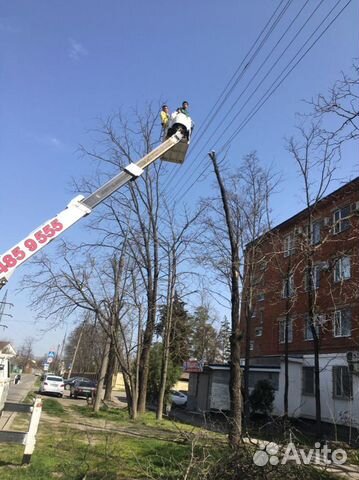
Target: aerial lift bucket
[
  {"x": 182, "y": 123},
  {"x": 177, "y": 154}
]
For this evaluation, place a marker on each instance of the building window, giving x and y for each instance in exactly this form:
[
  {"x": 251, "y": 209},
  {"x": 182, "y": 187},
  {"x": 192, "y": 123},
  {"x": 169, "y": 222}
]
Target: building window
[
  {"x": 259, "y": 331},
  {"x": 342, "y": 269},
  {"x": 261, "y": 317},
  {"x": 308, "y": 334},
  {"x": 315, "y": 278},
  {"x": 260, "y": 297},
  {"x": 308, "y": 381},
  {"x": 342, "y": 382},
  {"x": 289, "y": 245},
  {"x": 282, "y": 330},
  {"x": 251, "y": 345},
  {"x": 341, "y": 220},
  {"x": 342, "y": 323},
  {"x": 288, "y": 286},
  {"x": 316, "y": 232}
]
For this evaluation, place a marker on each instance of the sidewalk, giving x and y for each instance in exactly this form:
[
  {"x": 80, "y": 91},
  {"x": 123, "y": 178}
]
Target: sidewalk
[{"x": 17, "y": 393}]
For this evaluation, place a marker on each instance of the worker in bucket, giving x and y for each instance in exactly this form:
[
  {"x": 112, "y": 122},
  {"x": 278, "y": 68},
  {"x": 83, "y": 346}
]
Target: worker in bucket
[
  {"x": 184, "y": 108},
  {"x": 165, "y": 119}
]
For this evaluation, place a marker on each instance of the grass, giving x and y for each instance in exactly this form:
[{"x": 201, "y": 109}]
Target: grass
[
  {"x": 72, "y": 454},
  {"x": 73, "y": 443},
  {"x": 121, "y": 415},
  {"x": 53, "y": 407}
]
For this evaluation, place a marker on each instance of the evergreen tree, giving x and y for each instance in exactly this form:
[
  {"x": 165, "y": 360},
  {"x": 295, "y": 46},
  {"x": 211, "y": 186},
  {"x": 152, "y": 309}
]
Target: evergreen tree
[
  {"x": 182, "y": 331},
  {"x": 224, "y": 341},
  {"x": 154, "y": 378},
  {"x": 204, "y": 341}
]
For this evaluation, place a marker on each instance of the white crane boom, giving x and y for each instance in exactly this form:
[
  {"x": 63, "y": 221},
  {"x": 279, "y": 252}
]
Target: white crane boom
[{"x": 80, "y": 206}]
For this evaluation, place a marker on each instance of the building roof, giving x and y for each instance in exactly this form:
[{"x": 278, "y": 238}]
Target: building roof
[
  {"x": 325, "y": 199},
  {"x": 7, "y": 349},
  {"x": 297, "y": 216}
]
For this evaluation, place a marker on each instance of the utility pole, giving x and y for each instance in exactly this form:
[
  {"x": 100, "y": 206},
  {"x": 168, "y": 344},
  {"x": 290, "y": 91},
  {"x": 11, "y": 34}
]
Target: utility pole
[{"x": 76, "y": 349}]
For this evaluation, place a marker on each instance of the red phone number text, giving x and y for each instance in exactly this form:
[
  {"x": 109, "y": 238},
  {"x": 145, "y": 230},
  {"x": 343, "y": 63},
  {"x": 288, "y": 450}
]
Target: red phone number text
[{"x": 31, "y": 244}]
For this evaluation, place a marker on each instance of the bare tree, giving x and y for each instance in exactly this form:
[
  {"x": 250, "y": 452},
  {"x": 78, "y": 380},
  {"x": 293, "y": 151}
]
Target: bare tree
[
  {"x": 316, "y": 160},
  {"x": 340, "y": 108},
  {"x": 25, "y": 352},
  {"x": 134, "y": 211},
  {"x": 248, "y": 191},
  {"x": 97, "y": 286},
  {"x": 175, "y": 245},
  {"x": 235, "y": 366},
  {"x": 255, "y": 185}
]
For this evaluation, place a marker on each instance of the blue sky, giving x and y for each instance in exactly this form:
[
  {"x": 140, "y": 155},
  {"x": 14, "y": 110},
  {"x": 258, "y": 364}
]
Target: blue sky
[{"x": 66, "y": 64}]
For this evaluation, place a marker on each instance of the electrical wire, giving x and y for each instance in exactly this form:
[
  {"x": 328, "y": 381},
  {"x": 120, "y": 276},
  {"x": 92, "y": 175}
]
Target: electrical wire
[
  {"x": 258, "y": 107},
  {"x": 225, "y": 130},
  {"x": 226, "y": 92}
]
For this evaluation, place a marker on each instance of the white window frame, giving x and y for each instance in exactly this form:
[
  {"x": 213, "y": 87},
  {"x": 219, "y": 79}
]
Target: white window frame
[
  {"x": 259, "y": 331},
  {"x": 338, "y": 322},
  {"x": 251, "y": 345},
  {"x": 315, "y": 235},
  {"x": 261, "y": 297},
  {"x": 308, "y": 334},
  {"x": 342, "y": 269},
  {"x": 289, "y": 244},
  {"x": 340, "y": 221},
  {"x": 308, "y": 368},
  {"x": 344, "y": 370},
  {"x": 288, "y": 286},
  {"x": 282, "y": 330},
  {"x": 316, "y": 270}
]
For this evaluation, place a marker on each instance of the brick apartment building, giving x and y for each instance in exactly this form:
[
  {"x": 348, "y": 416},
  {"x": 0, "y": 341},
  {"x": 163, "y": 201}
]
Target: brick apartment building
[{"x": 276, "y": 301}]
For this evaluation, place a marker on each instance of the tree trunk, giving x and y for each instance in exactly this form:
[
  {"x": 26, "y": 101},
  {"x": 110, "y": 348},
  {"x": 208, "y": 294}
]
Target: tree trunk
[
  {"x": 288, "y": 306},
  {"x": 148, "y": 334},
  {"x": 144, "y": 368},
  {"x": 104, "y": 364},
  {"x": 235, "y": 426},
  {"x": 167, "y": 334},
  {"x": 247, "y": 365},
  {"x": 111, "y": 367},
  {"x": 316, "y": 348},
  {"x": 76, "y": 350}
]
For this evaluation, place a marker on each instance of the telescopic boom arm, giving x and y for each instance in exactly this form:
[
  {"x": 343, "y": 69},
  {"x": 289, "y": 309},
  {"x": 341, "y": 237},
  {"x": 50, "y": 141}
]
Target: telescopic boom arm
[{"x": 78, "y": 208}]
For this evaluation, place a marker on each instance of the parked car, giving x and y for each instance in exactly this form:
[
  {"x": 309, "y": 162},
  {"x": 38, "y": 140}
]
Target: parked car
[
  {"x": 82, "y": 388},
  {"x": 178, "y": 398},
  {"x": 52, "y": 384},
  {"x": 70, "y": 381}
]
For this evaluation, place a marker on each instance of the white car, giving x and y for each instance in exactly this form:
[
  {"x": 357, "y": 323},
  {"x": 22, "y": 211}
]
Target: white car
[
  {"x": 53, "y": 384},
  {"x": 178, "y": 398}
]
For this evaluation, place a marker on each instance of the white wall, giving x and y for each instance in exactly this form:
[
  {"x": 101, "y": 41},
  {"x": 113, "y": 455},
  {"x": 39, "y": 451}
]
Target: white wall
[
  {"x": 294, "y": 391},
  {"x": 334, "y": 410}
]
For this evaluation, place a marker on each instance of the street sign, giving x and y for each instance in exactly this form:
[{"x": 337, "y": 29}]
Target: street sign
[
  {"x": 51, "y": 354},
  {"x": 46, "y": 367},
  {"x": 50, "y": 360}
]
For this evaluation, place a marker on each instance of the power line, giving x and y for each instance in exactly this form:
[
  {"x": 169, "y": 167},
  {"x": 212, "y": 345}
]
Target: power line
[
  {"x": 257, "y": 108},
  {"x": 265, "y": 76},
  {"x": 224, "y": 96}
]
